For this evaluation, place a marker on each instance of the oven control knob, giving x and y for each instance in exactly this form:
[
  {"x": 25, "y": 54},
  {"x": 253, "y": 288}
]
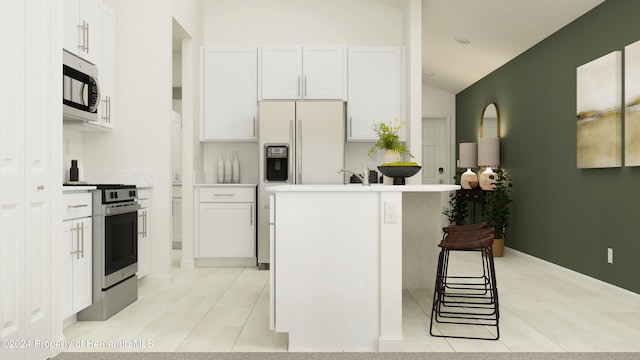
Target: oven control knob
[{"x": 132, "y": 193}]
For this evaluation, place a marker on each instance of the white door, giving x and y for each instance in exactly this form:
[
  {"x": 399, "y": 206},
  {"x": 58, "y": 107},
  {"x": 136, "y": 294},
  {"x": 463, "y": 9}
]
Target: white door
[
  {"x": 12, "y": 173},
  {"x": 42, "y": 81},
  {"x": 29, "y": 42},
  {"x": 435, "y": 151}
]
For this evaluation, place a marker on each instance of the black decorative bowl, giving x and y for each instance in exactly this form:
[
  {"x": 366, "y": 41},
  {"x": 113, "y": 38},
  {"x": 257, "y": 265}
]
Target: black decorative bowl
[{"x": 399, "y": 173}]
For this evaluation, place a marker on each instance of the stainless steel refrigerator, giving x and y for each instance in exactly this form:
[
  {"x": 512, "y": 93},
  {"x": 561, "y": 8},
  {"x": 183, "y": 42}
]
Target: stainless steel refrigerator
[{"x": 313, "y": 134}]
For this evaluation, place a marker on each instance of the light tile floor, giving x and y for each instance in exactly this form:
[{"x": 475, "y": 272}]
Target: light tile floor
[{"x": 544, "y": 308}]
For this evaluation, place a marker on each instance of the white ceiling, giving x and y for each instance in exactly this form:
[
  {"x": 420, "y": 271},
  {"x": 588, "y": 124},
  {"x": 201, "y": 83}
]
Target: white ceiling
[{"x": 499, "y": 30}]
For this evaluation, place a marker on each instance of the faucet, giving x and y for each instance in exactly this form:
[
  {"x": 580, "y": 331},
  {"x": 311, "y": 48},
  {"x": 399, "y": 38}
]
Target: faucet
[{"x": 364, "y": 178}]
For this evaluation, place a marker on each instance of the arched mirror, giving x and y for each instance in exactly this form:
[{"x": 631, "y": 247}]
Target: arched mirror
[{"x": 490, "y": 121}]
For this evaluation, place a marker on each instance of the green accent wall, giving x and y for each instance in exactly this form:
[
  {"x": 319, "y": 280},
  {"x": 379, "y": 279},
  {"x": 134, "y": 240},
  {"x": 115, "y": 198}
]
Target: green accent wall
[{"x": 562, "y": 214}]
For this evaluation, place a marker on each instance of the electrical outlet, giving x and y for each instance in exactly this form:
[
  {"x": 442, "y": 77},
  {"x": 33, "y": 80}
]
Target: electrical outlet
[
  {"x": 610, "y": 255},
  {"x": 390, "y": 213}
]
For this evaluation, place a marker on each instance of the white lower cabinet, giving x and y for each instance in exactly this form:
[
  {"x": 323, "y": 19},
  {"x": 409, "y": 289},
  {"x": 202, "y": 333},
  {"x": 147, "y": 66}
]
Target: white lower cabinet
[
  {"x": 227, "y": 225},
  {"x": 143, "y": 233},
  {"x": 77, "y": 250}
]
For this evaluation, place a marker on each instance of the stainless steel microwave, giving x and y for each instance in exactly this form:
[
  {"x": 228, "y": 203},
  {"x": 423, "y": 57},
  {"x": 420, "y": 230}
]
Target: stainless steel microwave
[{"x": 80, "y": 89}]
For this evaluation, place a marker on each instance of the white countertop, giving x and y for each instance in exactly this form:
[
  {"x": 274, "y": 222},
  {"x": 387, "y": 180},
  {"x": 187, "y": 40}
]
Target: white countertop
[
  {"x": 225, "y": 185},
  {"x": 73, "y": 188},
  {"x": 363, "y": 188}
]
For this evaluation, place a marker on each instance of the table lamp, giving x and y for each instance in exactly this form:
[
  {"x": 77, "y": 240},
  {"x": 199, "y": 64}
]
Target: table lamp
[
  {"x": 468, "y": 159},
  {"x": 488, "y": 156}
]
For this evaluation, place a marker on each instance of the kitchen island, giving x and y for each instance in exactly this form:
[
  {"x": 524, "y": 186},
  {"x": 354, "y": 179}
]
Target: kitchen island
[{"x": 340, "y": 257}]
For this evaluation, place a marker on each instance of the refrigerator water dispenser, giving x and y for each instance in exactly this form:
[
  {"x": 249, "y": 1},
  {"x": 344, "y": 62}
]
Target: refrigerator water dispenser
[{"x": 276, "y": 163}]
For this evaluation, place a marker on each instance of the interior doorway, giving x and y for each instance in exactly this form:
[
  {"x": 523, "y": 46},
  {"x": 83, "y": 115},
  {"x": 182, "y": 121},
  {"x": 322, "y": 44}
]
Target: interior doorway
[
  {"x": 436, "y": 166},
  {"x": 178, "y": 34}
]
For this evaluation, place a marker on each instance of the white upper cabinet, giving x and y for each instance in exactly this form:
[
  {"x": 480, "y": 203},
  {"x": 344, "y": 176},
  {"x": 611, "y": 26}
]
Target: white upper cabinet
[
  {"x": 229, "y": 94},
  {"x": 376, "y": 90},
  {"x": 89, "y": 31},
  {"x": 107, "y": 69},
  {"x": 82, "y": 27},
  {"x": 303, "y": 72}
]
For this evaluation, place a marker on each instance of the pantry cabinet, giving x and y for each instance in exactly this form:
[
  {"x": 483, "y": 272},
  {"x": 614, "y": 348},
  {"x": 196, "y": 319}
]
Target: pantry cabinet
[
  {"x": 227, "y": 225},
  {"x": 229, "y": 100},
  {"x": 303, "y": 72},
  {"x": 30, "y": 135},
  {"x": 376, "y": 90},
  {"x": 76, "y": 247}
]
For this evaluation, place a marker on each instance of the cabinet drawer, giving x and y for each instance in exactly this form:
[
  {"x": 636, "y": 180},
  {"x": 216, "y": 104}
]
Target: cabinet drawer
[
  {"x": 76, "y": 205},
  {"x": 227, "y": 194}
]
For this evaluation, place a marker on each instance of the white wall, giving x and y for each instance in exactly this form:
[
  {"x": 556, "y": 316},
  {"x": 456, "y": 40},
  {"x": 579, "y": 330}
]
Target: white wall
[
  {"x": 139, "y": 148},
  {"x": 256, "y": 22}
]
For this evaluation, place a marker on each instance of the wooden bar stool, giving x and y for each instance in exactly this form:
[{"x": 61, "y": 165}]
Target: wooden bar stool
[{"x": 466, "y": 299}]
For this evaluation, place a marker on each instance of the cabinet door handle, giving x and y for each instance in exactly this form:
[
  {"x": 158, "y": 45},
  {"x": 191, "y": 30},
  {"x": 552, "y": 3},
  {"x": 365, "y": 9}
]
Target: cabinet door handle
[
  {"x": 298, "y": 85},
  {"x": 87, "y": 37},
  {"x": 224, "y": 194},
  {"x": 290, "y": 179},
  {"x": 254, "y": 127},
  {"x": 77, "y": 252},
  {"x": 84, "y": 28},
  {"x": 76, "y": 206},
  {"x": 144, "y": 224},
  {"x": 251, "y": 215},
  {"x": 350, "y": 127},
  {"x": 305, "y": 86},
  {"x": 299, "y": 157},
  {"x": 81, "y": 241},
  {"x": 107, "y": 109}
]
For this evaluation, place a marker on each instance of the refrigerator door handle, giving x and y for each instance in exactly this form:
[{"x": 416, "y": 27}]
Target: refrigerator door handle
[
  {"x": 299, "y": 152},
  {"x": 290, "y": 178}
]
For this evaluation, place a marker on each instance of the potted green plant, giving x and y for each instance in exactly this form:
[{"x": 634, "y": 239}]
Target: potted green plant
[
  {"x": 496, "y": 208},
  {"x": 458, "y": 211},
  {"x": 389, "y": 140}
]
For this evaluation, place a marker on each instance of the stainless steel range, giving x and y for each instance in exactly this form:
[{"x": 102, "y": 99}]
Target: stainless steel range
[{"x": 115, "y": 251}]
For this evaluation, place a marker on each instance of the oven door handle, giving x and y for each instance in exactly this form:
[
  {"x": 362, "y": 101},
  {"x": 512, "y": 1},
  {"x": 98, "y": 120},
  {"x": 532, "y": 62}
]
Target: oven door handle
[{"x": 117, "y": 210}]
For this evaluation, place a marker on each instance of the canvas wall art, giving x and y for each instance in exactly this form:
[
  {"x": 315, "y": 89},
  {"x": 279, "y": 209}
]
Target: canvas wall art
[
  {"x": 632, "y": 104},
  {"x": 598, "y": 107}
]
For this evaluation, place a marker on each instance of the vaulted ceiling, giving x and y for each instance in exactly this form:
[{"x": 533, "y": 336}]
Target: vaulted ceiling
[{"x": 497, "y": 31}]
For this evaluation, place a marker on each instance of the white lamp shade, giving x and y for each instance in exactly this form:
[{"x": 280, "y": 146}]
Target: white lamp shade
[
  {"x": 468, "y": 155},
  {"x": 489, "y": 151}
]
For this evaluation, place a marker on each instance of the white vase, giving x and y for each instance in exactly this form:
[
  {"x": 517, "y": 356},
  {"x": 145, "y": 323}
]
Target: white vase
[
  {"x": 390, "y": 156},
  {"x": 220, "y": 170},
  {"x": 227, "y": 170},
  {"x": 486, "y": 181},
  {"x": 236, "y": 169}
]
